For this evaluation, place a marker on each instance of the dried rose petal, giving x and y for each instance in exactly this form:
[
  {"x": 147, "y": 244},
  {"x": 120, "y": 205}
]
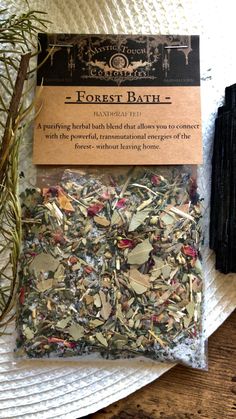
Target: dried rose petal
[
  {"x": 189, "y": 251},
  {"x": 64, "y": 342},
  {"x": 155, "y": 180},
  {"x": 94, "y": 209},
  {"x": 58, "y": 237},
  {"x": 155, "y": 318},
  {"x": 70, "y": 344},
  {"x": 32, "y": 254},
  {"x": 106, "y": 195},
  {"x": 121, "y": 203},
  {"x": 194, "y": 196},
  {"x": 125, "y": 244},
  {"x": 88, "y": 269},
  {"x": 73, "y": 260}
]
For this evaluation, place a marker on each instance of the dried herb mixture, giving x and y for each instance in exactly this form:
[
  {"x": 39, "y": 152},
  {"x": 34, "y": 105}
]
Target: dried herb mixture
[{"x": 110, "y": 264}]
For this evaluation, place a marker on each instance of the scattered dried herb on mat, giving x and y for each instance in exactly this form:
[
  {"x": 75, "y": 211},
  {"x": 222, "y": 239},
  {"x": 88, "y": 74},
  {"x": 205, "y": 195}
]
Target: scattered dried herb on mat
[{"x": 110, "y": 264}]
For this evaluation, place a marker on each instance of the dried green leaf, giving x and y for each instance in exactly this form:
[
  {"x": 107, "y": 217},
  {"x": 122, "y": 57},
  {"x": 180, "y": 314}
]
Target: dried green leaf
[
  {"x": 101, "y": 339},
  {"x": 138, "y": 219},
  {"x": 167, "y": 219},
  {"x": 88, "y": 299},
  {"x": 59, "y": 274},
  {"x": 29, "y": 334},
  {"x": 140, "y": 254},
  {"x": 106, "y": 306},
  {"x": 44, "y": 284},
  {"x": 83, "y": 210},
  {"x": 63, "y": 323},
  {"x": 190, "y": 309},
  {"x": 95, "y": 323},
  {"x": 97, "y": 300},
  {"x": 116, "y": 219},
  {"x": 76, "y": 331},
  {"x": 43, "y": 262},
  {"x": 166, "y": 270},
  {"x": 102, "y": 221},
  {"x": 187, "y": 320},
  {"x": 106, "y": 310},
  {"x": 139, "y": 282},
  {"x": 144, "y": 204},
  {"x": 198, "y": 266},
  {"x": 165, "y": 296}
]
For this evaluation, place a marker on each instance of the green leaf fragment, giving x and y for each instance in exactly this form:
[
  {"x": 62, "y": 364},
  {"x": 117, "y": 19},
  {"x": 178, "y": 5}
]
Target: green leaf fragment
[
  {"x": 139, "y": 282},
  {"x": 166, "y": 270},
  {"x": 138, "y": 219},
  {"x": 95, "y": 323},
  {"x": 190, "y": 308},
  {"x": 101, "y": 339},
  {"x": 116, "y": 219},
  {"x": 44, "y": 284},
  {"x": 76, "y": 331},
  {"x": 28, "y": 333},
  {"x": 59, "y": 273},
  {"x": 44, "y": 262},
  {"x": 140, "y": 254},
  {"x": 63, "y": 323},
  {"x": 167, "y": 219}
]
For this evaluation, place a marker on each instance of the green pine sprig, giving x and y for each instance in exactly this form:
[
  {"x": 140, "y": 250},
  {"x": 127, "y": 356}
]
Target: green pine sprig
[{"x": 18, "y": 45}]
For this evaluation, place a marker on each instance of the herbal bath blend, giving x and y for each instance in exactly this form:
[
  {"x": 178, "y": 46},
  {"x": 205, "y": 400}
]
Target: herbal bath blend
[{"x": 111, "y": 260}]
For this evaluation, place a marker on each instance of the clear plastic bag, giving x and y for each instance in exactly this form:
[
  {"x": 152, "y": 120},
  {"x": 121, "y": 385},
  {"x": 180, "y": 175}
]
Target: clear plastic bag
[{"x": 111, "y": 265}]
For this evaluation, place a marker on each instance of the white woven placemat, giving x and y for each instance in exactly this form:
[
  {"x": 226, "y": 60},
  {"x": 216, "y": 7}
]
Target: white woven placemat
[{"x": 71, "y": 390}]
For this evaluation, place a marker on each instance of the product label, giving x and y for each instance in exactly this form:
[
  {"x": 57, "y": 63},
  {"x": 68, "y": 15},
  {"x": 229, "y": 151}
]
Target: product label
[{"x": 118, "y": 99}]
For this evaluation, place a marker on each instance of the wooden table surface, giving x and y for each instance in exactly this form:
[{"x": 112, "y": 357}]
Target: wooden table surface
[{"x": 183, "y": 393}]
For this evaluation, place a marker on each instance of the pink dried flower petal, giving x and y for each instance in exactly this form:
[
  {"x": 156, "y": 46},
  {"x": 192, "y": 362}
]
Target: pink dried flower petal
[
  {"x": 125, "y": 244},
  {"x": 189, "y": 251},
  {"x": 155, "y": 180},
  {"x": 94, "y": 209},
  {"x": 121, "y": 203}
]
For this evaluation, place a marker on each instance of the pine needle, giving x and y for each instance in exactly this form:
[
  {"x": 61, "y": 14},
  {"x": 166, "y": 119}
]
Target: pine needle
[{"x": 18, "y": 44}]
